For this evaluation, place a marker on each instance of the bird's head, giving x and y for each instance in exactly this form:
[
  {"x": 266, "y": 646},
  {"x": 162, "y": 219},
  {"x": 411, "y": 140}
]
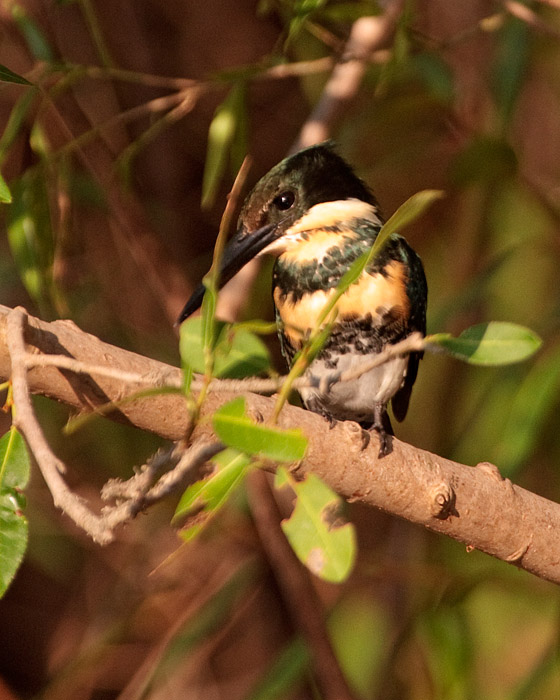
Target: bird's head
[{"x": 280, "y": 199}]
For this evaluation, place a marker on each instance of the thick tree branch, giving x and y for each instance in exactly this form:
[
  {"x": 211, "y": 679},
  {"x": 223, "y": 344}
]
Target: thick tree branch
[{"x": 471, "y": 504}]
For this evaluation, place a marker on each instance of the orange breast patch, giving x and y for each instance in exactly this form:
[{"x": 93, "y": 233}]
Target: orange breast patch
[{"x": 373, "y": 294}]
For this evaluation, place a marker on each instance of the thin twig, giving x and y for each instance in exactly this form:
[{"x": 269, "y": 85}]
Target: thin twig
[
  {"x": 138, "y": 492},
  {"x": 24, "y": 419},
  {"x": 531, "y": 18},
  {"x": 141, "y": 496},
  {"x": 150, "y": 108},
  {"x": 193, "y": 459},
  {"x": 117, "y": 489},
  {"x": 412, "y": 343},
  {"x": 80, "y": 367},
  {"x": 165, "y": 121},
  {"x": 551, "y": 3}
]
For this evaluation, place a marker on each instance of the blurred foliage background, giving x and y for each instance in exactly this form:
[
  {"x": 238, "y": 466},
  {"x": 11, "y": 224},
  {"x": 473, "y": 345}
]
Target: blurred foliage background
[{"x": 119, "y": 159}]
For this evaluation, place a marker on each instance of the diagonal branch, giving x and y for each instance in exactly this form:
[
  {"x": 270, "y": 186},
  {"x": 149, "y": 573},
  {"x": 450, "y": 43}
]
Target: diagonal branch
[
  {"x": 474, "y": 505},
  {"x": 368, "y": 34}
]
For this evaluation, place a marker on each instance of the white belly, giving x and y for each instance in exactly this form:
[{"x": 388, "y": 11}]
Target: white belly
[{"x": 355, "y": 399}]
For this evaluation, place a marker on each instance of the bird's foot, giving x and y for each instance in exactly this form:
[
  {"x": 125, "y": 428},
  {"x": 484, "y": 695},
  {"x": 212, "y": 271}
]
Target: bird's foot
[
  {"x": 382, "y": 426},
  {"x": 331, "y": 421},
  {"x": 385, "y": 441}
]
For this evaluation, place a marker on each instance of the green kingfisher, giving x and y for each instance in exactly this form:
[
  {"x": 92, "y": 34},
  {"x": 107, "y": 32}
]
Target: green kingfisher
[{"x": 316, "y": 217}]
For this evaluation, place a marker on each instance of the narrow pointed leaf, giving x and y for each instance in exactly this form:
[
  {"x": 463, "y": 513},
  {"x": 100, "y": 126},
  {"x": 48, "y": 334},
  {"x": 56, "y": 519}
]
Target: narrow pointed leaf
[
  {"x": 221, "y": 135},
  {"x": 302, "y": 11},
  {"x": 30, "y": 234},
  {"x": 5, "y": 194},
  {"x": 237, "y": 430},
  {"x": 13, "y": 537},
  {"x": 208, "y": 318},
  {"x": 408, "y": 212},
  {"x": 202, "y": 500},
  {"x": 191, "y": 345},
  {"x": 288, "y": 667},
  {"x": 509, "y": 72},
  {"x": 8, "y": 76},
  {"x": 256, "y": 326},
  {"x": 35, "y": 38},
  {"x": 16, "y": 120}
]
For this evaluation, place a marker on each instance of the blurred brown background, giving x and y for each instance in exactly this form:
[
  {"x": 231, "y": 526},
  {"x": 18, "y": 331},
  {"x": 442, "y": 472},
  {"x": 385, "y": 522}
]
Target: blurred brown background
[{"x": 106, "y": 165}]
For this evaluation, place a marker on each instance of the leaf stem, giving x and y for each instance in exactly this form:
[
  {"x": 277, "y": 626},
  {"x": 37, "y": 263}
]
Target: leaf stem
[{"x": 212, "y": 283}]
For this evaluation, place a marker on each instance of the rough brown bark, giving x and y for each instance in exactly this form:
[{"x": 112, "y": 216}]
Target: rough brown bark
[{"x": 474, "y": 505}]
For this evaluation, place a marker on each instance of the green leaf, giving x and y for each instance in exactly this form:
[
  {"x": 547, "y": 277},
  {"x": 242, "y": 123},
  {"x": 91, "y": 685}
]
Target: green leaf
[
  {"x": 489, "y": 344},
  {"x": 510, "y": 65},
  {"x": 191, "y": 346},
  {"x": 241, "y": 354},
  {"x": 358, "y": 626},
  {"x": 446, "y": 637},
  {"x": 36, "y": 39},
  {"x": 237, "y": 352},
  {"x": 13, "y": 537},
  {"x": 303, "y": 10},
  {"x": 202, "y": 500},
  {"x": 8, "y": 76},
  {"x": 233, "y": 409},
  {"x": 237, "y": 430},
  {"x": 30, "y": 234},
  {"x": 408, "y": 212},
  {"x": 5, "y": 194},
  {"x": 257, "y": 327},
  {"x": 209, "y": 327},
  {"x": 226, "y": 124},
  {"x": 316, "y": 532},
  {"x": 39, "y": 140},
  {"x": 287, "y": 668},
  {"x": 436, "y": 75},
  {"x": 14, "y": 460},
  {"x": 16, "y": 120},
  {"x": 14, "y": 475}
]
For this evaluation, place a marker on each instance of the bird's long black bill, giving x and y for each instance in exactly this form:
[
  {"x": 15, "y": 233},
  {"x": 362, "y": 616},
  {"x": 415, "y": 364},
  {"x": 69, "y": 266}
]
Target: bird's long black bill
[{"x": 242, "y": 248}]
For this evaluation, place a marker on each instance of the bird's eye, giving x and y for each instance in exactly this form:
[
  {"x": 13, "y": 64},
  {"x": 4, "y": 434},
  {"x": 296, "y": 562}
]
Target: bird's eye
[{"x": 284, "y": 200}]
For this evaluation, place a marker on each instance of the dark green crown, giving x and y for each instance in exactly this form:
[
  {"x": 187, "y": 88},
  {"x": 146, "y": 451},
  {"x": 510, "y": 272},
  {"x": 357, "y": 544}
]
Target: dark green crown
[{"x": 314, "y": 175}]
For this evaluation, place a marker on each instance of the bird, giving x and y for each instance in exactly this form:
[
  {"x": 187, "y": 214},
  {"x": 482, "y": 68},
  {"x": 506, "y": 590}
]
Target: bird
[{"x": 316, "y": 217}]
